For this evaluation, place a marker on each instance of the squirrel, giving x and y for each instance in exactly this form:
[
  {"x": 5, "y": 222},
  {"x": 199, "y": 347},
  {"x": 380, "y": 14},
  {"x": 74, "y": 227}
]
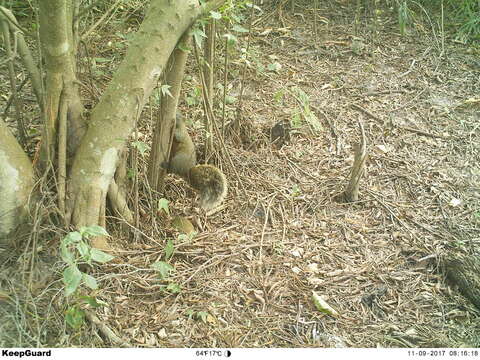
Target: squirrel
[{"x": 208, "y": 180}]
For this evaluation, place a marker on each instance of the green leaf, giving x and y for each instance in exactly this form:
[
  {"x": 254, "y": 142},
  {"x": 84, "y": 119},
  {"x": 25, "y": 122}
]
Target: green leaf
[
  {"x": 169, "y": 249},
  {"x": 215, "y": 15},
  {"x": 202, "y": 315},
  {"x": 302, "y": 96},
  {"x": 93, "y": 230},
  {"x": 322, "y": 305},
  {"x": 184, "y": 47},
  {"x": 295, "y": 191},
  {"x": 182, "y": 237},
  {"x": 239, "y": 29},
  {"x": 93, "y": 301},
  {"x": 274, "y": 67},
  {"x": 165, "y": 89},
  {"x": 296, "y": 121},
  {"x": 84, "y": 249},
  {"x": 163, "y": 268},
  {"x": 278, "y": 96},
  {"x": 190, "y": 313},
  {"x": 72, "y": 278},
  {"x": 75, "y": 317},
  {"x": 66, "y": 254},
  {"x": 231, "y": 39},
  {"x": 100, "y": 256},
  {"x": 102, "y": 60},
  {"x": 312, "y": 119},
  {"x": 72, "y": 237},
  {"x": 230, "y": 99},
  {"x": 90, "y": 281},
  {"x": 141, "y": 146},
  {"x": 174, "y": 288},
  {"x": 191, "y": 101},
  {"x": 163, "y": 205},
  {"x": 198, "y": 34}
]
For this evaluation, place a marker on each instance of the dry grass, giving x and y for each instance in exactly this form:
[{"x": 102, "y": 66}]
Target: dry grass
[{"x": 254, "y": 265}]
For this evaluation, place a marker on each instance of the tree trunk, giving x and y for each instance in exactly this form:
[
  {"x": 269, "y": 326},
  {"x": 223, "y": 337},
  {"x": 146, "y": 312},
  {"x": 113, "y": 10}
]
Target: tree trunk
[
  {"x": 113, "y": 118},
  {"x": 95, "y": 160},
  {"x": 208, "y": 74},
  {"x": 163, "y": 133},
  {"x": 61, "y": 83},
  {"x": 16, "y": 185}
]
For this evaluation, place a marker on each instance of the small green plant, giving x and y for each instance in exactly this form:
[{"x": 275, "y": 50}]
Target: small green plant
[
  {"x": 278, "y": 96},
  {"x": 75, "y": 315},
  {"x": 141, "y": 147},
  {"x": 199, "y": 315},
  {"x": 169, "y": 249},
  {"x": 275, "y": 67},
  {"x": 463, "y": 16},
  {"x": 164, "y": 269},
  {"x": 302, "y": 111},
  {"x": 194, "y": 96},
  {"x": 295, "y": 191},
  {"x": 296, "y": 120},
  {"x": 404, "y": 17},
  {"x": 307, "y": 113},
  {"x": 470, "y": 29},
  {"x": 75, "y": 250},
  {"x": 163, "y": 206},
  {"x": 202, "y": 315},
  {"x": 173, "y": 288},
  {"x": 187, "y": 237}
]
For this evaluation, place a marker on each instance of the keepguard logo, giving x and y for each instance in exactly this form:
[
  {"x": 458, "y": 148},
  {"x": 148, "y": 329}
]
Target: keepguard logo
[{"x": 25, "y": 353}]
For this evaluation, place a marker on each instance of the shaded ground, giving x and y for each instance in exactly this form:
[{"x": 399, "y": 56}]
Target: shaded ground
[{"x": 254, "y": 265}]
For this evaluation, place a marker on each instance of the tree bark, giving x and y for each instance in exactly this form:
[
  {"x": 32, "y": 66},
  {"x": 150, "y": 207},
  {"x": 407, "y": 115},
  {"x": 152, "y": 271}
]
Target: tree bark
[
  {"x": 208, "y": 74},
  {"x": 163, "y": 133},
  {"x": 16, "y": 185},
  {"x": 58, "y": 50}
]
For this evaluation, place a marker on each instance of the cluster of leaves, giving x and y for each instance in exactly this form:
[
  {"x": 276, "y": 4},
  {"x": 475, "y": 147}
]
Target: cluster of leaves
[
  {"x": 164, "y": 269},
  {"x": 462, "y": 15},
  {"x": 21, "y": 8},
  {"x": 302, "y": 111},
  {"x": 75, "y": 251},
  {"x": 232, "y": 17},
  {"x": 467, "y": 14}
]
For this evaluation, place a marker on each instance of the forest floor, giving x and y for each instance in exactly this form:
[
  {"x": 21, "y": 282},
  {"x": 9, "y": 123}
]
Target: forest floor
[{"x": 247, "y": 277}]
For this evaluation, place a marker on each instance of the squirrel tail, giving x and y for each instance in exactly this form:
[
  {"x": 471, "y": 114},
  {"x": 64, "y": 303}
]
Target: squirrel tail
[{"x": 211, "y": 183}]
